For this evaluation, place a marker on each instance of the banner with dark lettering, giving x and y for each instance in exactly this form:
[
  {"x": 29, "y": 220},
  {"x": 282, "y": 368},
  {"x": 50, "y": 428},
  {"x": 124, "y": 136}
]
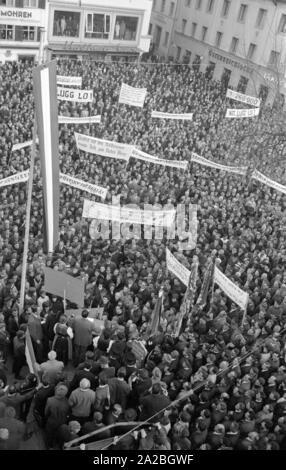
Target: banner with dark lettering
[
  {"x": 74, "y": 95},
  {"x": 241, "y": 170},
  {"x": 132, "y": 96},
  {"x": 242, "y": 113},
  {"x": 18, "y": 178},
  {"x": 22, "y": 16},
  {"x": 79, "y": 120},
  {"x": 71, "y": 81},
  {"x": 83, "y": 185},
  {"x": 182, "y": 116}
]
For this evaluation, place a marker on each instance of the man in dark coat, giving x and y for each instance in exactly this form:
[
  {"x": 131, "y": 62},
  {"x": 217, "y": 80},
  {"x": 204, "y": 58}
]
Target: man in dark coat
[
  {"x": 83, "y": 329},
  {"x": 153, "y": 403}
]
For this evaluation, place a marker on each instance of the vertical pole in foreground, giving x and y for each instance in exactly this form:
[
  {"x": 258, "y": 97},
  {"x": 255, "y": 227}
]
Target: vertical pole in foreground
[{"x": 27, "y": 220}]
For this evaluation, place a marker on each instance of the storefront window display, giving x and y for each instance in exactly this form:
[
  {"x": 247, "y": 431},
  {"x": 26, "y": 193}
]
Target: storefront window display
[
  {"x": 125, "y": 28},
  {"x": 97, "y": 26},
  {"x": 66, "y": 23}
]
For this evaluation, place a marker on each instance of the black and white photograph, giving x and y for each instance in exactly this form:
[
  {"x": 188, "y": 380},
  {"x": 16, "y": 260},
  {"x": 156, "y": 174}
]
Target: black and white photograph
[{"x": 142, "y": 231}]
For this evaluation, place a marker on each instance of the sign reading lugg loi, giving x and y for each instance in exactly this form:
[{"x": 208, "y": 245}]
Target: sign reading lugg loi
[{"x": 72, "y": 94}]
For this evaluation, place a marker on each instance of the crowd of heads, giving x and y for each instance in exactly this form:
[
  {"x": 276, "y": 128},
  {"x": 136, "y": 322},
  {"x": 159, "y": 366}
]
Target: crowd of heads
[{"x": 227, "y": 381}]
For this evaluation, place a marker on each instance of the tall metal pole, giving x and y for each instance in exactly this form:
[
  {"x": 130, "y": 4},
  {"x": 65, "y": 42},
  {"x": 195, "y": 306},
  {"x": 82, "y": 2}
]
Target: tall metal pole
[{"x": 27, "y": 221}]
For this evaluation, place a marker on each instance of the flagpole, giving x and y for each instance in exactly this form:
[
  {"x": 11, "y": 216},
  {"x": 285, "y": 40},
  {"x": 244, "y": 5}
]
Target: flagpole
[
  {"x": 27, "y": 220},
  {"x": 244, "y": 316},
  {"x": 64, "y": 301}
]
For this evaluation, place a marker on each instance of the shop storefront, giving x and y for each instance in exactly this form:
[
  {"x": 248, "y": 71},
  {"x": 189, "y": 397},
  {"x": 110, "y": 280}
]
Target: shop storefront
[
  {"x": 105, "y": 30},
  {"x": 20, "y": 25}
]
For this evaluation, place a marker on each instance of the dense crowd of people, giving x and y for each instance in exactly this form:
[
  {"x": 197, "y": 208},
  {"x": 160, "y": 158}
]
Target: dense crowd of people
[{"x": 218, "y": 385}]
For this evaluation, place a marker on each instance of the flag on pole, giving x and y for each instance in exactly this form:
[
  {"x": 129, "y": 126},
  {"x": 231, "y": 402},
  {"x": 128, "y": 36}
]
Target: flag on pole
[
  {"x": 30, "y": 355},
  {"x": 155, "y": 320},
  {"x": 202, "y": 299},
  {"x": 45, "y": 94},
  {"x": 188, "y": 300}
]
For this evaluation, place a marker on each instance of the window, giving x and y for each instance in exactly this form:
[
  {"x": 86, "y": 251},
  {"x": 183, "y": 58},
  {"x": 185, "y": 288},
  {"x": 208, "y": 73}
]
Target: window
[
  {"x": 97, "y": 26},
  {"x": 154, "y": 4},
  {"x": 179, "y": 49},
  {"x": 260, "y": 18},
  {"x": 125, "y": 28},
  {"x": 204, "y": 32},
  {"x": 225, "y": 8},
  {"x": 242, "y": 84},
  {"x": 29, "y": 33},
  {"x": 167, "y": 34},
  {"x": 172, "y": 8},
  {"x": 6, "y": 32},
  {"x": 7, "y": 3},
  {"x": 251, "y": 51},
  {"x": 198, "y": 4},
  {"x": 218, "y": 39},
  {"x": 66, "y": 23},
  {"x": 263, "y": 93},
  {"x": 282, "y": 24},
  {"x": 242, "y": 13},
  {"x": 163, "y": 4},
  {"x": 210, "y": 70},
  {"x": 210, "y": 6},
  {"x": 274, "y": 58},
  {"x": 187, "y": 57},
  {"x": 187, "y": 3},
  {"x": 150, "y": 29},
  {"x": 30, "y": 3},
  {"x": 233, "y": 45},
  {"x": 158, "y": 33},
  {"x": 194, "y": 28},
  {"x": 184, "y": 24},
  {"x": 225, "y": 78}
]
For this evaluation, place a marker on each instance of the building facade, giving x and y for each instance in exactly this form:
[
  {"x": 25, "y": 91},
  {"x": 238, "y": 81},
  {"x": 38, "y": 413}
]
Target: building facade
[
  {"x": 242, "y": 42},
  {"x": 100, "y": 29},
  {"x": 20, "y": 28}
]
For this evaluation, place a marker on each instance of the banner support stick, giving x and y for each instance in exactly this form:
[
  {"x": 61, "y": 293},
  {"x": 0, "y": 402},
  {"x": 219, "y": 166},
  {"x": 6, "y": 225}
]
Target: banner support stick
[{"x": 27, "y": 220}]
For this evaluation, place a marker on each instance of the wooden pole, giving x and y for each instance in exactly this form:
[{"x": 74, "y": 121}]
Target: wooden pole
[{"x": 27, "y": 220}]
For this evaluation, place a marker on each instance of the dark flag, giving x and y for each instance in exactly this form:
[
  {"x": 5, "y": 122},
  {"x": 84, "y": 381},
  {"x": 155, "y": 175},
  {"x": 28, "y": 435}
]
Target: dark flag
[{"x": 188, "y": 300}]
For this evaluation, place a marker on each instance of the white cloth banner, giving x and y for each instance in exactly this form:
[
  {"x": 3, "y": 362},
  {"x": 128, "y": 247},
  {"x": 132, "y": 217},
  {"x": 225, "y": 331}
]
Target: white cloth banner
[
  {"x": 105, "y": 148},
  {"x": 241, "y": 170},
  {"x": 242, "y": 113},
  {"x": 18, "y": 178},
  {"x": 132, "y": 96},
  {"x": 264, "y": 179},
  {"x": 177, "y": 268},
  {"x": 22, "y": 145},
  {"x": 230, "y": 289},
  {"x": 158, "y": 161},
  {"x": 79, "y": 120},
  {"x": 71, "y": 81},
  {"x": 184, "y": 116},
  {"x": 72, "y": 94},
  {"x": 251, "y": 100},
  {"x": 83, "y": 185},
  {"x": 96, "y": 210}
]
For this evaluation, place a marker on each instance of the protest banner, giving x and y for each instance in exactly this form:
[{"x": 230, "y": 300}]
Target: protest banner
[
  {"x": 22, "y": 145},
  {"x": 74, "y": 95},
  {"x": 265, "y": 180},
  {"x": 104, "y": 148},
  {"x": 177, "y": 268},
  {"x": 64, "y": 285},
  {"x": 241, "y": 170},
  {"x": 139, "y": 155},
  {"x": 132, "y": 96},
  {"x": 13, "y": 179},
  {"x": 242, "y": 113},
  {"x": 182, "y": 116},
  {"x": 157, "y": 218},
  {"x": 71, "y": 81},
  {"x": 251, "y": 100},
  {"x": 236, "y": 294},
  {"x": 79, "y": 120},
  {"x": 83, "y": 185}
]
